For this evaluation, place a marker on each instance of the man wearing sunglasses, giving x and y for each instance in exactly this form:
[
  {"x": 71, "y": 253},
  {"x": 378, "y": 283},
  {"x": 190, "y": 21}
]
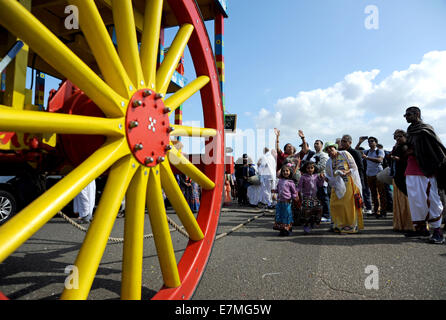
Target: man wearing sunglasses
[{"x": 425, "y": 175}]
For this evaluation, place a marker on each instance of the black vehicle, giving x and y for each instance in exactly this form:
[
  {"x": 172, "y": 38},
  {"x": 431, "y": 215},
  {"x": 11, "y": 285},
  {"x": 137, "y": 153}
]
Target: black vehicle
[
  {"x": 8, "y": 198},
  {"x": 19, "y": 186}
]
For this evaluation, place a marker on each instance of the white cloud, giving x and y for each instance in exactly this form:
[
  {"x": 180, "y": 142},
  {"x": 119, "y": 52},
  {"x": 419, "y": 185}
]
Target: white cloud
[{"x": 358, "y": 105}]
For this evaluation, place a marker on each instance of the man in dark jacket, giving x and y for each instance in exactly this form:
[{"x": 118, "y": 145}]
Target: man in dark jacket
[
  {"x": 239, "y": 173},
  {"x": 425, "y": 174}
]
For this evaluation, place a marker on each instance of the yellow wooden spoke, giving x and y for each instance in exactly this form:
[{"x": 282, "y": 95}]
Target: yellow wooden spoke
[
  {"x": 24, "y": 25},
  {"x": 93, "y": 247},
  {"x": 179, "y": 203},
  {"x": 185, "y": 131},
  {"x": 127, "y": 42},
  {"x": 179, "y": 97},
  {"x": 46, "y": 122},
  {"x": 160, "y": 229},
  {"x": 23, "y": 225},
  {"x": 102, "y": 47},
  {"x": 134, "y": 236},
  {"x": 170, "y": 63},
  {"x": 186, "y": 167},
  {"x": 150, "y": 40}
]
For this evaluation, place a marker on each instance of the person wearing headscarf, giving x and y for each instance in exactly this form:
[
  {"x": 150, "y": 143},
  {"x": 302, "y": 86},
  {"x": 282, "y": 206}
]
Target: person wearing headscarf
[
  {"x": 342, "y": 175},
  {"x": 267, "y": 175}
]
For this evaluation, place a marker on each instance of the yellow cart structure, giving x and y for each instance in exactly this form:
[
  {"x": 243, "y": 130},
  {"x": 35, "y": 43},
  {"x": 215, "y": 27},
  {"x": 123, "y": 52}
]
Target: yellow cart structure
[{"x": 130, "y": 87}]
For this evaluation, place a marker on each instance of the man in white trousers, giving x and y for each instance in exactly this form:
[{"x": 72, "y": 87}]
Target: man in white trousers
[
  {"x": 83, "y": 203},
  {"x": 425, "y": 174},
  {"x": 267, "y": 175}
]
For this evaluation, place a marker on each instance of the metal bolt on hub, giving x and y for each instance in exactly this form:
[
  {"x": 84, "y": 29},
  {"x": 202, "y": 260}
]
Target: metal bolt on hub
[
  {"x": 133, "y": 124},
  {"x": 138, "y": 146},
  {"x": 147, "y": 93},
  {"x": 137, "y": 103}
]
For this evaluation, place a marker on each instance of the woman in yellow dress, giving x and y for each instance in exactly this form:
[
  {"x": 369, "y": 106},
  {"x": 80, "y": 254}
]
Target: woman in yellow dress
[{"x": 342, "y": 175}]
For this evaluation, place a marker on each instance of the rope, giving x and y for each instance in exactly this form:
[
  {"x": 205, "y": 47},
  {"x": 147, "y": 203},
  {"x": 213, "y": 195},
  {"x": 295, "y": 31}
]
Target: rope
[
  {"x": 224, "y": 234},
  {"x": 117, "y": 240},
  {"x": 178, "y": 228},
  {"x": 175, "y": 226}
]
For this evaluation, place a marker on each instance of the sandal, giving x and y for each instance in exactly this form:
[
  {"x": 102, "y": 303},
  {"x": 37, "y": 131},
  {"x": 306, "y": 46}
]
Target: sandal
[{"x": 348, "y": 230}]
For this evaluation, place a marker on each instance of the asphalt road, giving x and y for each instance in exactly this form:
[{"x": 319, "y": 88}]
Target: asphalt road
[
  {"x": 254, "y": 263},
  {"x": 250, "y": 263}
]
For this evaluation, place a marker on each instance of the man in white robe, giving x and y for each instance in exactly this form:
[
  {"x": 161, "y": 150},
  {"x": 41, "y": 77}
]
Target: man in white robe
[
  {"x": 84, "y": 202},
  {"x": 267, "y": 174},
  {"x": 425, "y": 174}
]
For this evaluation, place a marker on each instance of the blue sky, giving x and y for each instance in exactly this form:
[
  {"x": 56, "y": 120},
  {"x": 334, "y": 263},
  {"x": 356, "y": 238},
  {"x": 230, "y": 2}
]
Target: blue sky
[
  {"x": 302, "y": 45},
  {"x": 274, "y": 50},
  {"x": 313, "y": 65}
]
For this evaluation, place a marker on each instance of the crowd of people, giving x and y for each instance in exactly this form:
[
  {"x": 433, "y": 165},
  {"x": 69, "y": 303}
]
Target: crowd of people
[{"x": 339, "y": 184}]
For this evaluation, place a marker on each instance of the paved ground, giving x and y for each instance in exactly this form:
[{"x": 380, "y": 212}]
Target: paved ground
[
  {"x": 251, "y": 262},
  {"x": 255, "y": 263}
]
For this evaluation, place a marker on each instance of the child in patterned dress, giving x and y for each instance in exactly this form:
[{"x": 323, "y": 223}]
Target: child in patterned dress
[{"x": 307, "y": 188}]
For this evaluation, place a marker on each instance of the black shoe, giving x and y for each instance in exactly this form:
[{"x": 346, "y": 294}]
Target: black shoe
[
  {"x": 417, "y": 234},
  {"x": 437, "y": 237},
  {"x": 411, "y": 234}
]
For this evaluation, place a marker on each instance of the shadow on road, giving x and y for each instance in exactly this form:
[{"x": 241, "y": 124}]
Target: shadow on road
[{"x": 39, "y": 270}]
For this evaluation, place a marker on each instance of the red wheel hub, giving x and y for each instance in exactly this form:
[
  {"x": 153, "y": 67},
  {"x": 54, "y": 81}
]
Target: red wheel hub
[{"x": 148, "y": 127}]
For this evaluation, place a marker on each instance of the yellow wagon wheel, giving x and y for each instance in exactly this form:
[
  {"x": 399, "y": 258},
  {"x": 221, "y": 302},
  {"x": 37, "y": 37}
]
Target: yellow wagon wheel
[{"x": 130, "y": 91}]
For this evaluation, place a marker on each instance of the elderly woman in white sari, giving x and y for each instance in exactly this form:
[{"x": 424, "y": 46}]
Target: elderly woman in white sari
[
  {"x": 342, "y": 175},
  {"x": 261, "y": 193}
]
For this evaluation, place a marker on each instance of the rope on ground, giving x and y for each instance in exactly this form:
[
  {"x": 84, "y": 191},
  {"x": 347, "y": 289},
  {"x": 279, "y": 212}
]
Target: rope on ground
[
  {"x": 242, "y": 210},
  {"x": 224, "y": 234},
  {"x": 117, "y": 240},
  {"x": 177, "y": 227}
]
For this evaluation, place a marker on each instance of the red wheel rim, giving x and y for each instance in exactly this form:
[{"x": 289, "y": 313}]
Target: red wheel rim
[{"x": 196, "y": 255}]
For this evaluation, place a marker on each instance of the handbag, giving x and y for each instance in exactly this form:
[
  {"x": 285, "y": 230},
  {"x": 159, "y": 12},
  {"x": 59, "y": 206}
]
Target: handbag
[
  {"x": 358, "y": 200},
  {"x": 254, "y": 180},
  {"x": 359, "y": 203},
  {"x": 384, "y": 176}
]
